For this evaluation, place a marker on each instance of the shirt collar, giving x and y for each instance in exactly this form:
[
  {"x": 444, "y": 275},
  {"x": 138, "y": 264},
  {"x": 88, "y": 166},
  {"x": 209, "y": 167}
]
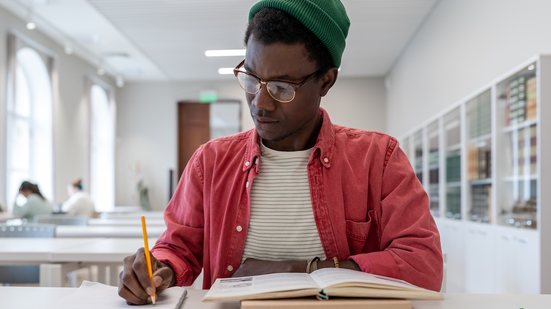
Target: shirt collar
[{"x": 323, "y": 149}]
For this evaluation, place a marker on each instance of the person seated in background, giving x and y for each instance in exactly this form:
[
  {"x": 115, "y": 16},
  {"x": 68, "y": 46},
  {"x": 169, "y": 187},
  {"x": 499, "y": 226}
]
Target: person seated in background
[
  {"x": 35, "y": 203},
  {"x": 79, "y": 203}
]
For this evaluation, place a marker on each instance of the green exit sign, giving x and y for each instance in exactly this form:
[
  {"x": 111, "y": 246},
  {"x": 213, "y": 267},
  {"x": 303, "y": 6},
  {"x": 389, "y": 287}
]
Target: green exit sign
[{"x": 208, "y": 96}]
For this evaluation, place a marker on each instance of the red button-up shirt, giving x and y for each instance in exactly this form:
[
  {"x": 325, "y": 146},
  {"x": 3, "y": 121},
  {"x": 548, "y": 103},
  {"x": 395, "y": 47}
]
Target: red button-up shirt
[{"x": 368, "y": 206}]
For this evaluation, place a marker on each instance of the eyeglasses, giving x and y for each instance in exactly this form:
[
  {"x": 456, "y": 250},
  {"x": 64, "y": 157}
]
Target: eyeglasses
[{"x": 279, "y": 90}]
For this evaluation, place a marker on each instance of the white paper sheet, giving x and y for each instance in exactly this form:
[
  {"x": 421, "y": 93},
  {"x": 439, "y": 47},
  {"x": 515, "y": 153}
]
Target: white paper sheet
[{"x": 93, "y": 295}]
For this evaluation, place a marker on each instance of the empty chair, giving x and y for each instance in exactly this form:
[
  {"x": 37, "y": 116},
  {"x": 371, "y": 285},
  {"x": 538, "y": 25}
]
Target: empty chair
[
  {"x": 61, "y": 220},
  {"x": 23, "y": 274}
]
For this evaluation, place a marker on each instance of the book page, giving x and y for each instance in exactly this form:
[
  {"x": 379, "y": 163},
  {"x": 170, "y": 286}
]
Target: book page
[
  {"x": 336, "y": 277},
  {"x": 242, "y": 287},
  {"x": 94, "y": 295}
]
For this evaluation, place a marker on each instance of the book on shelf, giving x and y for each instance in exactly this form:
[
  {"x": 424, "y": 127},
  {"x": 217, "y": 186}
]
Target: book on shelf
[
  {"x": 479, "y": 163},
  {"x": 533, "y": 150},
  {"x": 516, "y": 100},
  {"x": 322, "y": 284},
  {"x": 472, "y": 163},
  {"x": 481, "y": 201},
  {"x": 484, "y": 163},
  {"x": 453, "y": 167},
  {"x": 531, "y": 98}
]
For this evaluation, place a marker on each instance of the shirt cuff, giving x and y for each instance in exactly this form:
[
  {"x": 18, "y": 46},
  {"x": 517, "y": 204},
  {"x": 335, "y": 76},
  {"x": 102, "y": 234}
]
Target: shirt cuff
[
  {"x": 379, "y": 263},
  {"x": 184, "y": 275}
]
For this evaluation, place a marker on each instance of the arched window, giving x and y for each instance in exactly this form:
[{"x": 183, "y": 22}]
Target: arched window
[
  {"x": 29, "y": 130},
  {"x": 102, "y": 149}
]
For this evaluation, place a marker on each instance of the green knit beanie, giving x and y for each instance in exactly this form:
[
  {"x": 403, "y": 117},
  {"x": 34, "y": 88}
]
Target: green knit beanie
[{"x": 327, "y": 19}]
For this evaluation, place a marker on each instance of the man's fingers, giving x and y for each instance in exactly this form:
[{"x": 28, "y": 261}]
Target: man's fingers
[
  {"x": 139, "y": 268},
  {"x": 126, "y": 293},
  {"x": 163, "y": 277},
  {"x": 130, "y": 281},
  {"x": 130, "y": 298}
]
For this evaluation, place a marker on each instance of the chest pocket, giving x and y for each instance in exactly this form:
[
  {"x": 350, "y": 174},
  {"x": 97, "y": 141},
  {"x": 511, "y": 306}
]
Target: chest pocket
[{"x": 357, "y": 234}]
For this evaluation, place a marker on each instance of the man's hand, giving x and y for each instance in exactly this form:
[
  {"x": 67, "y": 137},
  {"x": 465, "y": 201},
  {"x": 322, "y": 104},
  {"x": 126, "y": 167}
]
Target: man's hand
[
  {"x": 253, "y": 267},
  {"x": 135, "y": 286}
]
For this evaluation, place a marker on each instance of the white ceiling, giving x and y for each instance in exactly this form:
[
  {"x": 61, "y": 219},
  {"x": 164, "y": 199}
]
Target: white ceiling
[{"x": 166, "y": 39}]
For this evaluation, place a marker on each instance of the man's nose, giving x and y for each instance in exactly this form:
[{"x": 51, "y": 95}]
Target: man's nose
[{"x": 263, "y": 100}]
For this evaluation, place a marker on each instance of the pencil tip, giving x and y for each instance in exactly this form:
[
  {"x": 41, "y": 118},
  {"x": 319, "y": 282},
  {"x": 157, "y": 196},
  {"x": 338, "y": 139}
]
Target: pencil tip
[{"x": 153, "y": 299}]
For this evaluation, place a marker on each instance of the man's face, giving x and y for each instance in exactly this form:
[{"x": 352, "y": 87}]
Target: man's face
[{"x": 283, "y": 126}]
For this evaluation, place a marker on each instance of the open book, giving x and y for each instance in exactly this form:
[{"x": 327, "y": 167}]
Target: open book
[{"x": 322, "y": 283}]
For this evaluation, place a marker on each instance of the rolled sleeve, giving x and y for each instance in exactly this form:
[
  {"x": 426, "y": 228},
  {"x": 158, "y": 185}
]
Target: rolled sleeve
[{"x": 181, "y": 245}]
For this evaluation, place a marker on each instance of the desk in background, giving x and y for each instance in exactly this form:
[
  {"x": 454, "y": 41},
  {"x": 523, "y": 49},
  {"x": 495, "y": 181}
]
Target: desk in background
[
  {"x": 84, "y": 231},
  {"x": 131, "y": 221},
  {"x": 131, "y": 214},
  {"x": 58, "y": 256}
]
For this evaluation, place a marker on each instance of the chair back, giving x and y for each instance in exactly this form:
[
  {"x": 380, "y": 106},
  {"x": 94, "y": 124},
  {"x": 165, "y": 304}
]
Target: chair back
[
  {"x": 61, "y": 220},
  {"x": 28, "y": 230},
  {"x": 23, "y": 274}
]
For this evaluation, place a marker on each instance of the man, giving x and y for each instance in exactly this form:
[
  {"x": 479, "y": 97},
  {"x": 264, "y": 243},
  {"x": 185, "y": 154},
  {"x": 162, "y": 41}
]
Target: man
[{"x": 297, "y": 193}]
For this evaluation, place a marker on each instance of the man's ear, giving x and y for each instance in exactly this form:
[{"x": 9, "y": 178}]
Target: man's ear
[{"x": 328, "y": 80}]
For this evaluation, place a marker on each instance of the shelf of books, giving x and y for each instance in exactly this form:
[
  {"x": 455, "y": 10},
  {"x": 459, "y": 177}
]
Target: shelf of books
[
  {"x": 479, "y": 157},
  {"x": 452, "y": 165},
  {"x": 433, "y": 133},
  {"x": 517, "y": 136},
  {"x": 406, "y": 148},
  {"x": 418, "y": 154},
  {"x": 485, "y": 157}
]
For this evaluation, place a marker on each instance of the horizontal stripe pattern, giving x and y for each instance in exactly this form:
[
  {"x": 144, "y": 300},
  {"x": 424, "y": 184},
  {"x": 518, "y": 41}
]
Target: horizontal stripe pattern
[{"x": 282, "y": 225}]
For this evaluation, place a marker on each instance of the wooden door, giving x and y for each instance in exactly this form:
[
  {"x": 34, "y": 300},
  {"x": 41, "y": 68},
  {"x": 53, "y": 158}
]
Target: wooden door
[{"x": 193, "y": 130}]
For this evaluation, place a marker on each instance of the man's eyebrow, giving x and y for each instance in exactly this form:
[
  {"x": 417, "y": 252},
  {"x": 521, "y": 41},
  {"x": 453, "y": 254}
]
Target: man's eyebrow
[{"x": 280, "y": 77}]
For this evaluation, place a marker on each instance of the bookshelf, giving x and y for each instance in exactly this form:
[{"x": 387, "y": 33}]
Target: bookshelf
[
  {"x": 433, "y": 136},
  {"x": 484, "y": 160},
  {"x": 418, "y": 155},
  {"x": 452, "y": 164},
  {"x": 517, "y": 129},
  {"x": 479, "y": 157}
]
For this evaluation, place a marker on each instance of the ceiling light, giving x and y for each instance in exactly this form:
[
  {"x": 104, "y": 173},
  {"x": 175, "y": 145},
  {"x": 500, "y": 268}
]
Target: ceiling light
[
  {"x": 225, "y": 52},
  {"x": 31, "y": 25},
  {"x": 120, "y": 82},
  {"x": 225, "y": 71},
  {"x": 531, "y": 67},
  {"x": 69, "y": 49}
]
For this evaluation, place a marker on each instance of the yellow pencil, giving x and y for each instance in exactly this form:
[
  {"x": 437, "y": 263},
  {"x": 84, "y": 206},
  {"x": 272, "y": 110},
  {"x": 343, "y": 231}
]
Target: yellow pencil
[{"x": 148, "y": 259}]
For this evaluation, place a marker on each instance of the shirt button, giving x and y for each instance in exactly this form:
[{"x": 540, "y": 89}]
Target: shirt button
[
  {"x": 230, "y": 268},
  {"x": 239, "y": 228},
  {"x": 325, "y": 160},
  {"x": 247, "y": 184},
  {"x": 247, "y": 163}
]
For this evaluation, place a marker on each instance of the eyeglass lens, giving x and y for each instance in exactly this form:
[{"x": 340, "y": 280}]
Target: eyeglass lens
[{"x": 280, "y": 91}]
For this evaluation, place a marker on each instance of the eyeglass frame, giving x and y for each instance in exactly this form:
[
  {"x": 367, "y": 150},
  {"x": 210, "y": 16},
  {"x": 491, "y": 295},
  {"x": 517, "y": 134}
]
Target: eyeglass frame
[{"x": 294, "y": 85}]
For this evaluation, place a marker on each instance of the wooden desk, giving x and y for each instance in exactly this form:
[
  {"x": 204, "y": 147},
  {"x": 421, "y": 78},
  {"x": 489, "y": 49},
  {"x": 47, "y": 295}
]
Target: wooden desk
[
  {"x": 49, "y": 298},
  {"x": 83, "y": 231}
]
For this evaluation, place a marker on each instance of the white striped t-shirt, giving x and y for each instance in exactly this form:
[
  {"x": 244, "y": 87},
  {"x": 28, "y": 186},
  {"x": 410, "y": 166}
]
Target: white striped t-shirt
[{"x": 282, "y": 225}]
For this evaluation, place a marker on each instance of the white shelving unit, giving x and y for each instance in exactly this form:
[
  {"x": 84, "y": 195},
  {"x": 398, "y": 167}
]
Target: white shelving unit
[{"x": 492, "y": 162}]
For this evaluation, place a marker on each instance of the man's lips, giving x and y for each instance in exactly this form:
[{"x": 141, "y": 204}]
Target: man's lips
[{"x": 265, "y": 120}]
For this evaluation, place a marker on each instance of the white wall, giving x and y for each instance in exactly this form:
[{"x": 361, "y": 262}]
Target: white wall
[
  {"x": 71, "y": 121},
  {"x": 462, "y": 46},
  {"x": 147, "y": 116},
  {"x": 358, "y": 103}
]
